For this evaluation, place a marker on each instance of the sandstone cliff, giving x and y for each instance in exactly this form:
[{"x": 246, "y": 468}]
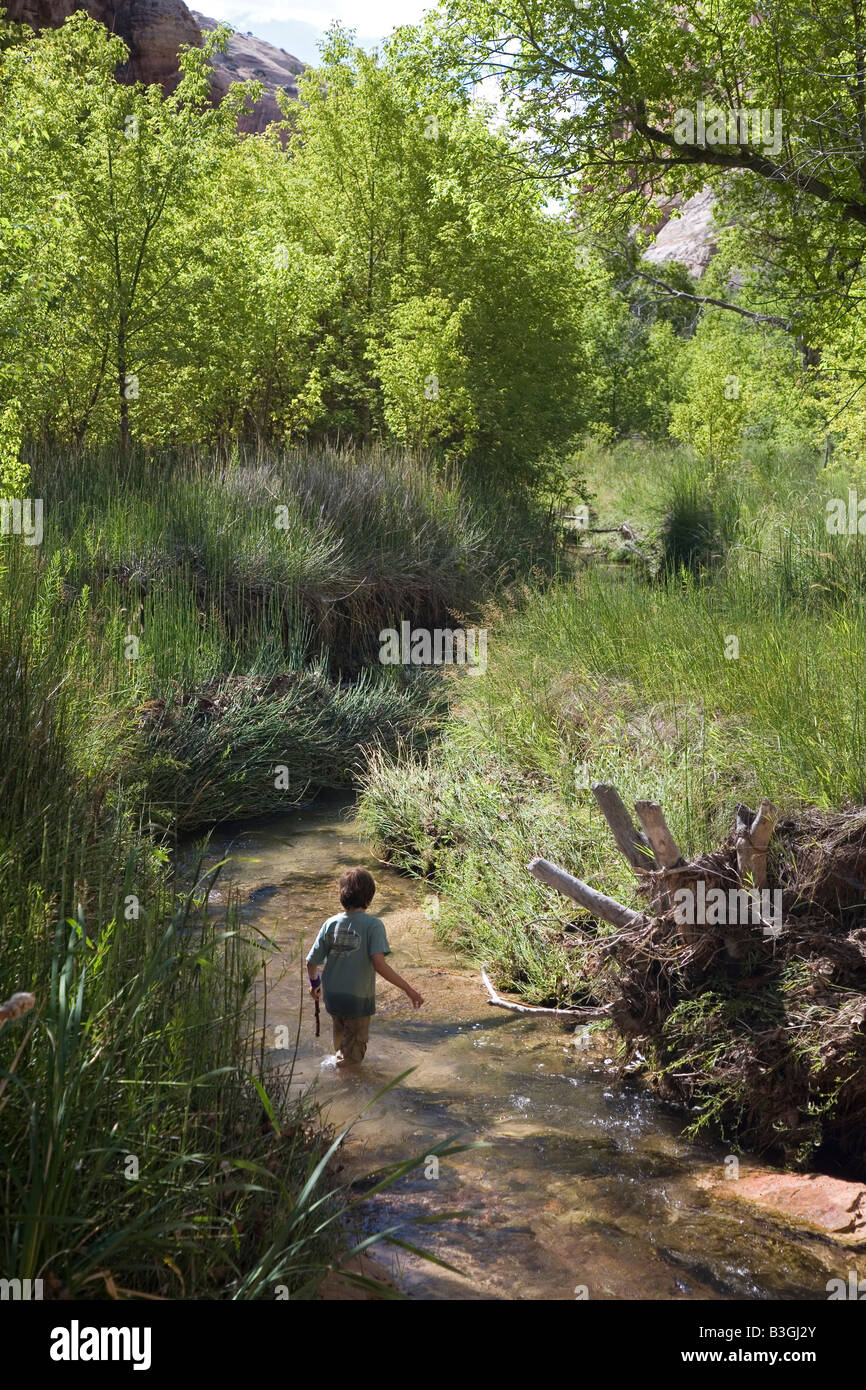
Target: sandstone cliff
[
  {"x": 153, "y": 31},
  {"x": 687, "y": 234},
  {"x": 251, "y": 58}
]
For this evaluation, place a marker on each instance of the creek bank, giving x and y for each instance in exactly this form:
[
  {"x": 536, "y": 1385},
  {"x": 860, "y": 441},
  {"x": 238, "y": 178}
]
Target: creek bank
[
  {"x": 755, "y": 1028},
  {"x": 761, "y": 1024},
  {"x": 587, "y": 1181},
  {"x": 833, "y": 1207},
  {"x": 241, "y": 746}
]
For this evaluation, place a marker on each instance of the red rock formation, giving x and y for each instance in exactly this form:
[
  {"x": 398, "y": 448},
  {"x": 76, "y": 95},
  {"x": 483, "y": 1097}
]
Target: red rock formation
[
  {"x": 249, "y": 58},
  {"x": 154, "y": 30},
  {"x": 831, "y": 1205},
  {"x": 39, "y": 14}
]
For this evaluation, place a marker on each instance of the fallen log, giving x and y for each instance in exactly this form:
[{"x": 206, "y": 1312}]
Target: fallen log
[{"x": 729, "y": 1038}]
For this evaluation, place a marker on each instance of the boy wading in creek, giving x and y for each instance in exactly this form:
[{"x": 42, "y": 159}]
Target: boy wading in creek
[{"x": 352, "y": 947}]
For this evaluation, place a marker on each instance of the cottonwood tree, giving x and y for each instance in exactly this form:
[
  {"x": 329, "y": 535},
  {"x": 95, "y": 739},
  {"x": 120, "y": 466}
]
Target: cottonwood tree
[
  {"x": 118, "y": 224},
  {"x": 451, "y": 305},
  {"x": 383, "y": 267},
  {"x": 621, "y": 101}
]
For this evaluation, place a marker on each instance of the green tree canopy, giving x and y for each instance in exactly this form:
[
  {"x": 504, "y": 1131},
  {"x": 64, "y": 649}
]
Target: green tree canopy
[{"x": 627, "y": 100}]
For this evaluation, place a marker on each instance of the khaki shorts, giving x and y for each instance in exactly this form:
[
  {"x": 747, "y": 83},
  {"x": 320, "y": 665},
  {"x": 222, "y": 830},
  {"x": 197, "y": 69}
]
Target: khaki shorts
[{"x": 350, "y": 1039}]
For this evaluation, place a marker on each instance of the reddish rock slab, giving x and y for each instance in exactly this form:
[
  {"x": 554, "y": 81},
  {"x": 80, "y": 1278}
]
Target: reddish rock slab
[
  {"x": 249, "y": 58},
  {"x": 153, "y": 30},
  {"x": 833, "y": 1206}
]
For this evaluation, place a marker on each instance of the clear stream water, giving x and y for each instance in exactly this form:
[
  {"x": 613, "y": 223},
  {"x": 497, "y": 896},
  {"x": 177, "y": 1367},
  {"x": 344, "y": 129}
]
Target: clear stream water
[{"x": 586, "y": 1184}]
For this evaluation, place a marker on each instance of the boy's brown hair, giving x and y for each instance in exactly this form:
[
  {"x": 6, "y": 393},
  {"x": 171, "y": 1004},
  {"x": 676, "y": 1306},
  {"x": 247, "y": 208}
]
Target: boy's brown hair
[{"x": 357, "y": 887}]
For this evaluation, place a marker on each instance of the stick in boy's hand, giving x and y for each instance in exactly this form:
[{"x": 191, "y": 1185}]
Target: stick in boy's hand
[{"x": 316, "y": 994}]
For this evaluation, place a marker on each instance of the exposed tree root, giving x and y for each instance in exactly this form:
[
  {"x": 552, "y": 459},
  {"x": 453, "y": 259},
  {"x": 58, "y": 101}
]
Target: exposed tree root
[{"x": 757, "y": 1018}]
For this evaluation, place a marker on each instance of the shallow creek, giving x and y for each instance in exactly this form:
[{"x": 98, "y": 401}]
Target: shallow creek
[{"x": 586, "y": 1185}]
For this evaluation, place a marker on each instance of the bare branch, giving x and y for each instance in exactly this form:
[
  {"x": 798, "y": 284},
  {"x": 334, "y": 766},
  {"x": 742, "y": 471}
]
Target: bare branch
[
  {"x": 707, "y": 299},
  {"x": 588, "y": 1015},
  {"x": 632, "y": 843}
]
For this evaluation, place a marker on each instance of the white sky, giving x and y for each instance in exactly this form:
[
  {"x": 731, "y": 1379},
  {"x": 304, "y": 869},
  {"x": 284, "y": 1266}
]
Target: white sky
[{"x": 298, "y": 26}]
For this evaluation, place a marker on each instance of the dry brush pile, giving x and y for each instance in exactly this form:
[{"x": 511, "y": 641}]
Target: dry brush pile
[{"x": 752, "y": 1013}]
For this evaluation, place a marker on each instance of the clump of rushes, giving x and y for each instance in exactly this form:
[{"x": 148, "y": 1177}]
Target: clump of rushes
[
  {"x": 242, "y": 746},
  {"x": 698, "y": 523},
  {"x": 323, "y": 548},
  {"x": 230, "y": 610}
]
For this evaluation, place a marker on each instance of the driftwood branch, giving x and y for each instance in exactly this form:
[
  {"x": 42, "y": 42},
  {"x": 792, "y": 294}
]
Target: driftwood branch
[
  {"x": 635, "y": 550},
  {"x": 665, "y": 847},
  {"x": 608, "y": 909},
  {"x": 633, "y": 844},
  {"x": 587, "y": 1015},
  {"x": 753, "y": 834}
]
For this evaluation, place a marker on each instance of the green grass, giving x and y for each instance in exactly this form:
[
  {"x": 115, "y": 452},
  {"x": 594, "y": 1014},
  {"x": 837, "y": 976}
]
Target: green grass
[
  {"x": 629, "y": 683},
  {"x": 232, "y": 647},
  {"x": 125, "y": 1103},
  {"x": 249, "y": 746},
  {"x": 300, "y": 554}
]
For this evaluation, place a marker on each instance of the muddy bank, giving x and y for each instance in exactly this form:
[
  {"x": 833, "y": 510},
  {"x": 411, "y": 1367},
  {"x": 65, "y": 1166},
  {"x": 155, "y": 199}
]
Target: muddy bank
[{"x": 587, "y": 1188}]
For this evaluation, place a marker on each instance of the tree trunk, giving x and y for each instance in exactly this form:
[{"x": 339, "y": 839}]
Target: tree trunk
[{"x": 123, "y": 385}]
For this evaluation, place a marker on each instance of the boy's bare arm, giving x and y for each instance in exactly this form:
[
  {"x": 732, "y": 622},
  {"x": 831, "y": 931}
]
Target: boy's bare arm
[{"x": 381, "y": 967}]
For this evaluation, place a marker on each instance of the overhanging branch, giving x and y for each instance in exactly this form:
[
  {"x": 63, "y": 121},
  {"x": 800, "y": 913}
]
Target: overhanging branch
[{"x": 709, "y": 300}]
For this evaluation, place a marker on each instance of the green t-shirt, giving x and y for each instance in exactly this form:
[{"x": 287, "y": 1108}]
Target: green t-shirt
[{"x": 344, "y": 946}]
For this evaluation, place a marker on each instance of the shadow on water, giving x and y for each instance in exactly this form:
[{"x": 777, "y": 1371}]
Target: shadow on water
[{"x": 587, "y": 1188}]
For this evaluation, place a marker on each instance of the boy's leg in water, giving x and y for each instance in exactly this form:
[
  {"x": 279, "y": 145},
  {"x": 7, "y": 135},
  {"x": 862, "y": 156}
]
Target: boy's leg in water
[
  {"x": 337, "y": 1024},
  {"x": 354, "y": 1036}
]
